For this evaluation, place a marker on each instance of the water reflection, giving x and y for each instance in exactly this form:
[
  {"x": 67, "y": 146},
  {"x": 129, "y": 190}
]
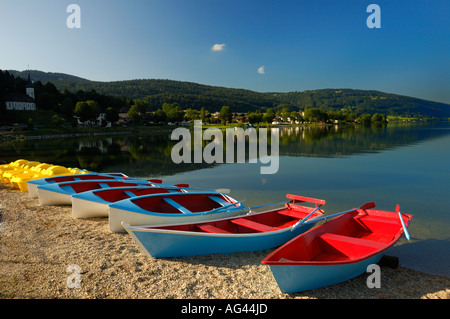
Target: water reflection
[{"x": 150, "y": 154}]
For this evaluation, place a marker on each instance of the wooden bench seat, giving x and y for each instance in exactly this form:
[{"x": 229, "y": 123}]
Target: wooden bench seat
[
  {"x": 253, "y": 225},
  {"x": 375, "y": 219},
  {"x": 182, "y": 209},
  {"x": 351, "y": 246},
  {"x": 219, "y": 200},
  {"x": 130, "y": 194},
  {"x": 292, "y": 213},
  {"x": 329, "y": 237},
  {"x": 213, "y": 229}
]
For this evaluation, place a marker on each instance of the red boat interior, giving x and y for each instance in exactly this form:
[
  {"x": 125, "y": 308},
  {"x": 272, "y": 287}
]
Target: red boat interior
[
  {"x": 264, "y": 222},
  {"x": 186, "y": 203},
  {"x": 116, "y": 194},
  {"x": 88, "y": 186},
  {"x": 349, "y": 237}
]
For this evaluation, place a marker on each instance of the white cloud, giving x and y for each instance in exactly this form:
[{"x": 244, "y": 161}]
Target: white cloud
[
  {"x": 218, "y": 47},
  {"x": 261, "y": 70}
]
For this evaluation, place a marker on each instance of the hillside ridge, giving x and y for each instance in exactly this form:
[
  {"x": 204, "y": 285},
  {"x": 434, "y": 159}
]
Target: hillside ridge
[{"x": 195, "y": 96}]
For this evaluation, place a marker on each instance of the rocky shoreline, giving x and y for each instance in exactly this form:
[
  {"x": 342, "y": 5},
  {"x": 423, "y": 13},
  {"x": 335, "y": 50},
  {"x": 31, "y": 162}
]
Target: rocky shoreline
[{"x": 47, "y": 254}]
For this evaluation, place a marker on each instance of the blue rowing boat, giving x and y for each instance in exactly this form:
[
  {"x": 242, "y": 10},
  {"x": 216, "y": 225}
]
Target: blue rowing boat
[
  {"x": 172, "y": 208},
  {"x": 250, "y": 232},
  {"x": 33, "y": 184},
  {"x": 60, "y": 193},
  {"x": 95, "y": 203}
]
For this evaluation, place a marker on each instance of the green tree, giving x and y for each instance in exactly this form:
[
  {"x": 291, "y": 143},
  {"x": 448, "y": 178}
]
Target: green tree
[
  {"x": 315, "y": 115},
  {"x": 57, "y": 120},
  {"x": 111, "y": 115},
  {"x": 285, "y": 113},
  {"x": 67, "y": 107},
  {"x": 365, "y": 119},
  {"x": 255, "y": 117},
  {"x": 173, "y": 112},
  {"x": 159, "y": 116},
  {"x": 192, "y": 114},
  {"x": 225, "y": 114},
  {"x": 268, "y": 116},
  {"x": 133, "y": 114},
  {"x": 377, "y": 117},
  {"x": 142, "y": 105},
  {"x": 46, "y": 101},
  {"x": 203, "y": 114},
  {"x": 87, "y": 110}
]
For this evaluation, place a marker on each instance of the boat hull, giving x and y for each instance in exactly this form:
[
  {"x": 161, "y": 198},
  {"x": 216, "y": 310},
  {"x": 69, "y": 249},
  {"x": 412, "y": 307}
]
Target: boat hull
[
  {"x": 117, "y": 216},
  {"x": 32, "y": 189},
  {"x": 294, "y": 278},
  {"x": 83, "y": 208},
  {"x": 50, "y": 198},
  {"x": 163, "y": 243}
]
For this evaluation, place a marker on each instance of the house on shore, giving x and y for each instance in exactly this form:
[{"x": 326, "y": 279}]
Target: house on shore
[{"x": 21, "y": 102}]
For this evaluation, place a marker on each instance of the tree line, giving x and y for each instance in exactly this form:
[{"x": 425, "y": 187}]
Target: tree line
[{"x": 169, "y": 102}]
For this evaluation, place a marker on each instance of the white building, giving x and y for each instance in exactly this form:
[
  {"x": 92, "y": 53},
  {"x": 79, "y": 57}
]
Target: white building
[
  {"x": 22, "y": 102},
  {"x": 94, "y": 123}
]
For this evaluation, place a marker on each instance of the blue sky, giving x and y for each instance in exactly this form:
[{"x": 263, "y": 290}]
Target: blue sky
[{"x": 300, "y": 44}]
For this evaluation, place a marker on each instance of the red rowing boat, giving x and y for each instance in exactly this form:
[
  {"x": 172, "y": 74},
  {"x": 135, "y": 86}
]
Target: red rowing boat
[{"x": 337, "y": 250}]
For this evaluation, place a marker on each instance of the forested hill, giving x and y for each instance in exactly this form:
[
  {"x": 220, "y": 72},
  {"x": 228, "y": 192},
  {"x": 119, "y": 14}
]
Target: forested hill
[
  {"x": 366, "y": 101},
  {"x": 196, "y": 96}
]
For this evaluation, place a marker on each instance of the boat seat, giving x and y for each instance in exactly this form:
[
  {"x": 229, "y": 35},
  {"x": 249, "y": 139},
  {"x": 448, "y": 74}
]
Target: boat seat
[
  {"x": 103, "y": 185},
  {"x": 182, "y": 209},
  {"x": 380, "y": 220},
  {"x": 253, "y": 225},
  {"x": 292, "y": 213},
  {"x": 219, "y": 200},
  {"x": 352, "y": 240},
  {"x": 130, "y": 194},
  {"x": 376, "y": 226},
  {"x": 213, "y": 229},
  {"x": 353, "y": 247},
  {"x": 67, "y": 188}
]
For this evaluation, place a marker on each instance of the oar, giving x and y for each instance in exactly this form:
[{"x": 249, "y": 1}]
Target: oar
[
  {"x": 301, "y": 222},
  {"x": 253, "y": 207},
  {"x": 401, "y": 220},
  {"x": 265, "y": 205},
  {"x": 365, "y": 206},
  {"x": 220, "y": 208}
]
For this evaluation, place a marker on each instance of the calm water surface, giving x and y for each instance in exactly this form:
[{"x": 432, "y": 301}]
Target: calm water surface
[{"x": 405, "y": 164}]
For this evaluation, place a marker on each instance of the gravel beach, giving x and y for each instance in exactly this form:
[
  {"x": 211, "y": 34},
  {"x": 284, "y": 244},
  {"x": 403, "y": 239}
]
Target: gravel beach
[{"x": 43, "y": 249}]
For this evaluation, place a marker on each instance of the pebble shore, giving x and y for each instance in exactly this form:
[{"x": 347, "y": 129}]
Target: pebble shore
[{"x": 47, "y": 254}]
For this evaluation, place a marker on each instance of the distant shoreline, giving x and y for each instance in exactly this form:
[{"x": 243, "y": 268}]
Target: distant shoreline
[{"x": 47, "y": 133}]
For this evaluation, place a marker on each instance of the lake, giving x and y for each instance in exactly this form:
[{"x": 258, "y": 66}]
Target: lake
[{"x": 398, "y": 163}]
